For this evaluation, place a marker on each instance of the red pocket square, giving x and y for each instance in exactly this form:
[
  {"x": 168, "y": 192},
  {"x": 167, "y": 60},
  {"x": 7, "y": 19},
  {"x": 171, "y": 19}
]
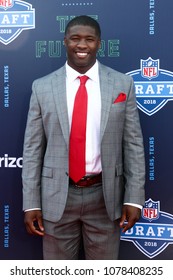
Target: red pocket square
[{"x": 121, "y": 98}]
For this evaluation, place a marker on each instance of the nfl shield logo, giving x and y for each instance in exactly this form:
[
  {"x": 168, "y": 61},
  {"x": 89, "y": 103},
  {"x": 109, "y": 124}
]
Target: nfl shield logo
[
  {"x": 5, "y": 4},
  {"x": 151, "y": 210},
  {"x": 16, "y": 16},
  {"x": 149, "y": 68}
]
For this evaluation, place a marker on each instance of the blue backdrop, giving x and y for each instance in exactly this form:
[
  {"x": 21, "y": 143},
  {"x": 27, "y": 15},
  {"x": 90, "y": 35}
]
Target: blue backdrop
[{"x": 136, "y": 40}]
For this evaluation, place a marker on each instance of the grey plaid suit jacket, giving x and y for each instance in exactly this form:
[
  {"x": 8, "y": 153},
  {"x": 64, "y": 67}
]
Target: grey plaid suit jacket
[{"x": 46, "y": 145}]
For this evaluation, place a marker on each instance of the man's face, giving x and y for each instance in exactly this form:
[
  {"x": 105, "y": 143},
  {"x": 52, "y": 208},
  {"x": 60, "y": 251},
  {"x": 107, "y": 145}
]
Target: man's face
[{"x": 82, "y": 44}]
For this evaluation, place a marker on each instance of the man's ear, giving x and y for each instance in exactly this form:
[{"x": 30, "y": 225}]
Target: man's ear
[
  {"x": 99, "y": 44},
  {"x": 65, "y": 41}
]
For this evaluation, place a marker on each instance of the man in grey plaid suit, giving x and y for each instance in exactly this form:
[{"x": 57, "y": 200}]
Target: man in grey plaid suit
[{"x": 110, "y": 195}]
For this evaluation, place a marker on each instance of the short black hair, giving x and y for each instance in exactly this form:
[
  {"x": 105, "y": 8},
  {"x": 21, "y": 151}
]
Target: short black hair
[{"x": 84, "y": 20}]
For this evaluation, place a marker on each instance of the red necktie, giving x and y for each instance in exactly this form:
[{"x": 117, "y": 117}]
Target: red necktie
[{"x": 78, "y": 133}]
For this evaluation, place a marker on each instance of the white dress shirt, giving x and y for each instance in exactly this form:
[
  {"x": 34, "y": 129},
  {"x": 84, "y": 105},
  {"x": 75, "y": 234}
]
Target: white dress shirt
[{"x": 93, "y": 159}]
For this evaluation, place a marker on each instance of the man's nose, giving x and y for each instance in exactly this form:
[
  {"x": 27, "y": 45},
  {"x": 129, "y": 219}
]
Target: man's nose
[{"x": 82, "y": 43}]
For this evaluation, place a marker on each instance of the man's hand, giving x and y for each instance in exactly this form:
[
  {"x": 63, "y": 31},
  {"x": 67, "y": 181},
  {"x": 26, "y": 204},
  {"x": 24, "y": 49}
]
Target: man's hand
[
  {"x": 131, "y": 215},
  {"x": 34, "y": 223}
]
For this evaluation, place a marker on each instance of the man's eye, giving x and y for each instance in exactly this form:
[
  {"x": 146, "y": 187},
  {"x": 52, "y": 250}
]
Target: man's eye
[
  {"x": 90, "y": 39},
  {"x": 75, "y": 39}
]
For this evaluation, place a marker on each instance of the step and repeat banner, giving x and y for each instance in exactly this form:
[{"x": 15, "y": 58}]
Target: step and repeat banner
[{"x": 136, "y": 40}]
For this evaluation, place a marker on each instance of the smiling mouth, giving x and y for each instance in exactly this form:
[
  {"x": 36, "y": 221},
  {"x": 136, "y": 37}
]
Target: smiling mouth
[{"x": 81, "y": 55}]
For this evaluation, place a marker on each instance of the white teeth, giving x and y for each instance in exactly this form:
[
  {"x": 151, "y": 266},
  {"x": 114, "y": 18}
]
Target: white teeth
[{"x": 82, "y": 54}]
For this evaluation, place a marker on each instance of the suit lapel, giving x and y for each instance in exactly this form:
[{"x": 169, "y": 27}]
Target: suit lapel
[
  {"x": 59, "y": 92},
  {"x": 106, "y": 88}
]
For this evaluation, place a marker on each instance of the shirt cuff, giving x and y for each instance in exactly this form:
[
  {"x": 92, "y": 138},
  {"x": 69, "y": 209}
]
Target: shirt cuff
[
  {"x": 135, "y": 205},
  {"x": 32, "y": 209}
]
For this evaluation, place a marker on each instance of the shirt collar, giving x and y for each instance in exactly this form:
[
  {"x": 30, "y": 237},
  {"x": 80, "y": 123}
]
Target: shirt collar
[{"x": 92, "y": 73}]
